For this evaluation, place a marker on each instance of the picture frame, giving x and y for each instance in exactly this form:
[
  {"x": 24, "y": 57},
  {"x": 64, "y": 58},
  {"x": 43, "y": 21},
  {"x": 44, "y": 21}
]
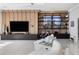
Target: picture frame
[{"x": 72, "y": 23}]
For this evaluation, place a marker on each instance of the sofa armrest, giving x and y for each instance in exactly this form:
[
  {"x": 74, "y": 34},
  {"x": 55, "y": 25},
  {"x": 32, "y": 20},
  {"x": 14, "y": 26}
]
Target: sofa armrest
[{"x": 38, "y": 41}]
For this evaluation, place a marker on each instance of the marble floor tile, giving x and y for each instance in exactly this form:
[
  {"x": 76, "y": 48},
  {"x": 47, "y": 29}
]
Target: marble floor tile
[{"x": 24, "y": 47}]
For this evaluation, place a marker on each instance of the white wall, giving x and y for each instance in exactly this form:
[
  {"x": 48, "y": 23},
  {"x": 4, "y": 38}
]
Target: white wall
[
  {"x": 73, "y": 16},
  {"x": 0, "y": 22}
]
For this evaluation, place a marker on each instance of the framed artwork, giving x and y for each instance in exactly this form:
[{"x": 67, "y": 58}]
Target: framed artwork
[{"x": 72, "y": 23}]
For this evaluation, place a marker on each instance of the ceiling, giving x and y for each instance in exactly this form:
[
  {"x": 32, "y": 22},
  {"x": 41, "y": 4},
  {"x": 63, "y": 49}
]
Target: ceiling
[{"x": 38, "y": 6}]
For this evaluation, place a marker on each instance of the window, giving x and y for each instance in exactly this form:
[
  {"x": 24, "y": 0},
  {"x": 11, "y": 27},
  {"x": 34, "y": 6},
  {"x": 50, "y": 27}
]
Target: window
[
  {"x": 52, "y": 22},
  {"x": 56, "y": 21},
  {"x": 56, "y": 18},
  {"x": 47, "y": 21}
]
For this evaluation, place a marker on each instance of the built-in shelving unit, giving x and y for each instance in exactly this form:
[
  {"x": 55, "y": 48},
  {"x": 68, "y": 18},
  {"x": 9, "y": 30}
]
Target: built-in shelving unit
[{"x": 53, "y": 22}]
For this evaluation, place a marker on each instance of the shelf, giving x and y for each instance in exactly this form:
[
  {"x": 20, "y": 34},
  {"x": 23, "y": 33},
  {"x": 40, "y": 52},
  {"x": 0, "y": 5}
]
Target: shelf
[
  {"x": 53, "y": 25},
  {"x": 52, "y": 21},
  {"x": 53, "y": 28},
  {"x": 52, "y": 17},
  {"x": 62, "y": 27}
]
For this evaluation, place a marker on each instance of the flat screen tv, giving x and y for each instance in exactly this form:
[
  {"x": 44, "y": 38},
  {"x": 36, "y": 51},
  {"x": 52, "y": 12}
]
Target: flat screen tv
[{"x": 19, "y": 26}]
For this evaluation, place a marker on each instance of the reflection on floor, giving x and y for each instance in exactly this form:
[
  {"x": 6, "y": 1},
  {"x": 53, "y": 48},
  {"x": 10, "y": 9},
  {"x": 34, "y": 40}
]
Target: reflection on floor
[
  {"x": 24, "y": 47},
  {"x": 2, "y": 44},
  {"x": 16, "y": 47}
]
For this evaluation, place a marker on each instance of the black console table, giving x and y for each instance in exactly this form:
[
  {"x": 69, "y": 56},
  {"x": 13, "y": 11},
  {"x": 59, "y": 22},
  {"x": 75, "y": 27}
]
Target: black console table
[
  {"x": 19, "y": 37},
  {"x": 57, "y": 35},
  {"x": 62, "y": 36}
]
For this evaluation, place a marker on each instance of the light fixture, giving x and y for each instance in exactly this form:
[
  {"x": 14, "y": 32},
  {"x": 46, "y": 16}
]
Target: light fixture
[
  {"x": 37, "y": 3},
  {"x": 66, "y": 15},
  {"x": 32, "y": 3}
]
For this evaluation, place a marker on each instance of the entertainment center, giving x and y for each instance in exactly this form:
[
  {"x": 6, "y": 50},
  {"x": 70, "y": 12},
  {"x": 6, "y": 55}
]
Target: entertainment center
[
  {"x": 30, "y": 24},
  {"x": 54, "y": 22}
]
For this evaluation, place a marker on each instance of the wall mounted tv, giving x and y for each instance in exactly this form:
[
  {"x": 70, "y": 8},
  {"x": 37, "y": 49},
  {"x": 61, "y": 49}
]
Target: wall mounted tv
[{"x": 19, "y": 26}]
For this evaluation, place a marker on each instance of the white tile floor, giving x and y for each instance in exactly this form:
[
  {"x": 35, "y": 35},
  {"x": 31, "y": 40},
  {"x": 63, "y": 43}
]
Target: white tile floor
[
  {"x": 71, "y": 48},
  {"x": 16, "y": 47},
  {"x": 24, "y": 47}
]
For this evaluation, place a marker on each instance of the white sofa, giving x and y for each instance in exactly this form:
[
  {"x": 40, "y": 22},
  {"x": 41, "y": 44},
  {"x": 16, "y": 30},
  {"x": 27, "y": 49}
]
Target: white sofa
[
  {"x": 47, "y": 46},
  {"x": 48, "y": 39}
]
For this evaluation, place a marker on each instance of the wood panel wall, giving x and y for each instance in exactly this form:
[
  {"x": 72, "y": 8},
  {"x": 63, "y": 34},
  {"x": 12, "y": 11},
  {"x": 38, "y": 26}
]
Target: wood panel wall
[{"x": 21, "y": 15}]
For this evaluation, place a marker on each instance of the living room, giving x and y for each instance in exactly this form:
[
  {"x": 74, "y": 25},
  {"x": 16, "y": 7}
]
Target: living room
[{"x": 24, "y": 23}]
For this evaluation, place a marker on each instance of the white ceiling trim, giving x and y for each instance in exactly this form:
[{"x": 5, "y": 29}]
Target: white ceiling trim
[{"x": 38, "y": 6}]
